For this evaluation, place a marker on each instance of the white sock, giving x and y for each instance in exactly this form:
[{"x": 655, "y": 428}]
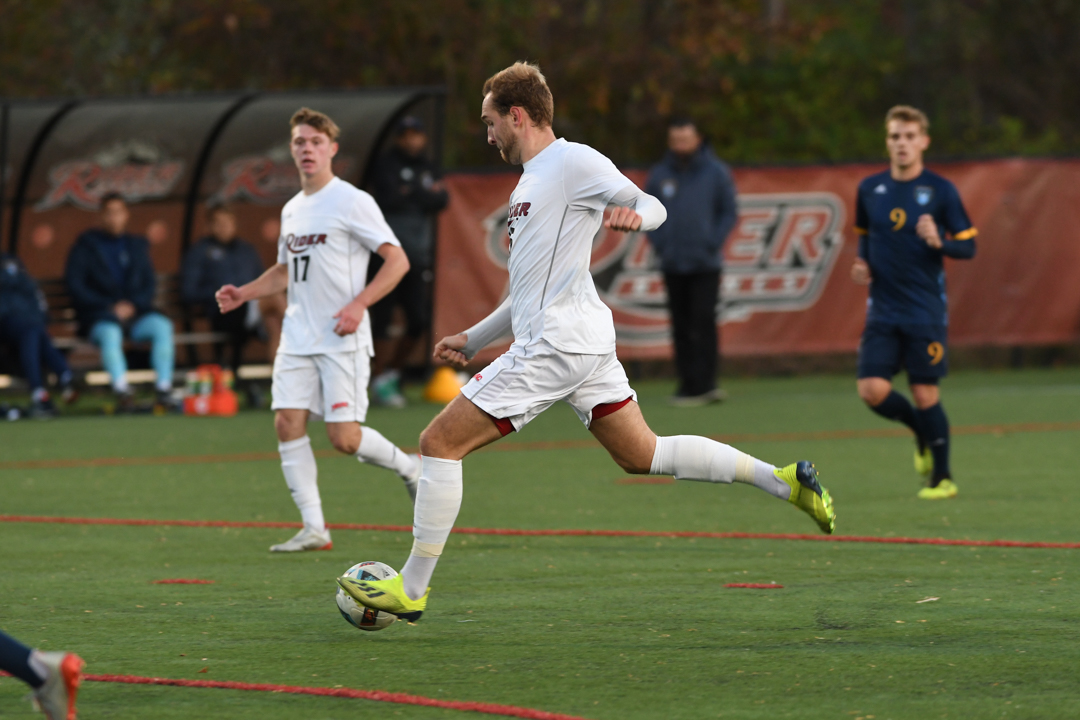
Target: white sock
[
  {"x": 120, "y": 385},
  {"x": 438, "y": 499},
  {"x": 38, "y": 665},
  {"x": 302, "y": 477},
  {"x": 375, "y": 449},
  {"x": 691, "y": 457}
]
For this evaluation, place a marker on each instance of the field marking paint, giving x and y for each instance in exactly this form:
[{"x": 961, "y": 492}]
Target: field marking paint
[
  {"x": 512, "y": 446},
  {"x": 375, "y": 695},
  {"x": 183, "y": 581},
  {"x": 755, "y": 586},
  {"x": 553, "y": 533}
]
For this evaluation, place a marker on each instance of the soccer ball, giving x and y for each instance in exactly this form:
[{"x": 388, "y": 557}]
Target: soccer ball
[{"x": 364, "y": 618}]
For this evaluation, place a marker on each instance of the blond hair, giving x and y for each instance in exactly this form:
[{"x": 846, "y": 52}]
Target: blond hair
[
  {"x": 906, "y": 113},
  {"x": 522, "y": 85},
  {"x": 316, "y": 120}
]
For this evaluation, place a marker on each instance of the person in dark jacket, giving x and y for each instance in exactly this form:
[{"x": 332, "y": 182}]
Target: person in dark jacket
[
  {"x": 407, "y": 186},
  {"x": 112, "y": 283},
  {"x": 699, "y": 194},
  {"x": 23, "y": 327},
  {"x": 221, "y": 258}
]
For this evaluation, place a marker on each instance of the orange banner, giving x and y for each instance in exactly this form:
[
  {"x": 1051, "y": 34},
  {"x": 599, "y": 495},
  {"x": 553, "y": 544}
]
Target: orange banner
[{"x": 785, "y": 287}]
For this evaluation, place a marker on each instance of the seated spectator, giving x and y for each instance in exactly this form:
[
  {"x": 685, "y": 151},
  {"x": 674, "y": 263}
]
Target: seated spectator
[
  {"x": 22, "y": 325},
  {"x": 111, "y": 282},
  {"x": 222, "y": 258}
]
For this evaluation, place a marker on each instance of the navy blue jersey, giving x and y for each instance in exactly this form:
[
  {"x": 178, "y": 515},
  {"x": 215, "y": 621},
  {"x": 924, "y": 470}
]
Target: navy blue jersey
[{"x": 908, "y": 276}]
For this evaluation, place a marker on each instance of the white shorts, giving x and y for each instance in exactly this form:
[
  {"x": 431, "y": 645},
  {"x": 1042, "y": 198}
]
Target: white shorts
[
  {"x": 332, "y": 386},
  {"x": 525, "y": 381}
]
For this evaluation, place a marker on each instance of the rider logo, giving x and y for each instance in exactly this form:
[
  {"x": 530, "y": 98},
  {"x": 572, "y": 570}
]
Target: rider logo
[
  {"x": 300, "y": 243},
  {"x": 267, "y": 179},
  {"x": 134, "y": 169},
  {"x": 777, "y": 259}
]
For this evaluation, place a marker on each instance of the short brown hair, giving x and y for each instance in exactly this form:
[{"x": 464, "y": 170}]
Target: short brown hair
[
  {"x": 522, "y": 85},
  {"x": 321, "y": 122},
  {"x": 906, "y": 113}
]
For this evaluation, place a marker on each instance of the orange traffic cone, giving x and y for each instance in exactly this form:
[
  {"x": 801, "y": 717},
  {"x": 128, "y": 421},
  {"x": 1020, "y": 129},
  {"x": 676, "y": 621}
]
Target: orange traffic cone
[{"x": 443, "y": 386}]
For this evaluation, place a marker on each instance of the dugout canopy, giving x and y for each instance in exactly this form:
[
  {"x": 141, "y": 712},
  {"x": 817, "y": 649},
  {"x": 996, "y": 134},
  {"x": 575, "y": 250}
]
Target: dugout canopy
[{"x": 171, "y": 156}]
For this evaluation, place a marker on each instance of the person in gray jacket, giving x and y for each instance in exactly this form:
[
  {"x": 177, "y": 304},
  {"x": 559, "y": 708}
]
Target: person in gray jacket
[{"x": 697, "y": 189}]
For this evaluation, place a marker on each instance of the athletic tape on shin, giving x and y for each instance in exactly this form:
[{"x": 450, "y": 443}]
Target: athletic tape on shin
[
  {"x": 427, "y": 550},
  {"x": 691, "y": 457},
  {"x": 438, "y": 499}
]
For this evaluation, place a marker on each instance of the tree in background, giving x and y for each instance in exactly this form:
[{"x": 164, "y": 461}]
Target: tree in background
[{"x": 768, "y": 80}]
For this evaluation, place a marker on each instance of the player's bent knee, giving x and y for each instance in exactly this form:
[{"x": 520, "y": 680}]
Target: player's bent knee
[
  {"x": 432, "y": 443},
  {"x": 873, "y": 391}
]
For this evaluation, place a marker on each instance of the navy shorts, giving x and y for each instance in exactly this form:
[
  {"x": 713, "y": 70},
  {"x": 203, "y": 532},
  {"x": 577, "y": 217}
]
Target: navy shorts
[{"x": 922, "y": 350}]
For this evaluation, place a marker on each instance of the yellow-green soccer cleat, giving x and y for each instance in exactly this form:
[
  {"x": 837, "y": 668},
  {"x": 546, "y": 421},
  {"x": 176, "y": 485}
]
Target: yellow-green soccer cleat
[
  {"x": 924, "y": 462},
  {"x": 945, "y": 489},
  {"x": 808, "y": 495},
  {"x": 386, "y": 595}
]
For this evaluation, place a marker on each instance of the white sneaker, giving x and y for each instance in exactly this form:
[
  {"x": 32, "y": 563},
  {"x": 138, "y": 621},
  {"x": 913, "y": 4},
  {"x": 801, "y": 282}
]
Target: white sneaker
[
  {"x": 56, "y": 698},
  {"x": 306, "y": 539},
  {"x": 412, "y": 480}
]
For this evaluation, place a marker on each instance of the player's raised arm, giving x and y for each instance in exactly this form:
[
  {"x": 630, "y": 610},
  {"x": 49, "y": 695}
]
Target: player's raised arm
[
  {"x": 271, "y": 282},
  {"x": 592, "y": 181}
]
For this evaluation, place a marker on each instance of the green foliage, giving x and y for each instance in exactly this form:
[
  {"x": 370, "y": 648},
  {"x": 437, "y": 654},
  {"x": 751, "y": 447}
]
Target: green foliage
[{"x": 770, "y": 81}]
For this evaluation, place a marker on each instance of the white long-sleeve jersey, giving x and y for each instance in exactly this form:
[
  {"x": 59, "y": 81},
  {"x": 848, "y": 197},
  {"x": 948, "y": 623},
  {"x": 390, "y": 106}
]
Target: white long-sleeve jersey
[{"x": 555, "y": 211}]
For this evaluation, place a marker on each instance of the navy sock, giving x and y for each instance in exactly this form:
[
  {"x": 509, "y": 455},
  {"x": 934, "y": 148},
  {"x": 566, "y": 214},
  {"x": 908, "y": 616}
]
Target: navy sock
[
  {"x": 936, "y": 431},
  {"x": 896, "y": 407},
  {"x": 15, "y": 658}
]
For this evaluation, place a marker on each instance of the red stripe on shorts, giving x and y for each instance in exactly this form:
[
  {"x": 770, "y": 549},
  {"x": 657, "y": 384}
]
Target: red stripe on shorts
[
  {"x": 505, "y": 426},
  {"x": 606, "y": 409}
]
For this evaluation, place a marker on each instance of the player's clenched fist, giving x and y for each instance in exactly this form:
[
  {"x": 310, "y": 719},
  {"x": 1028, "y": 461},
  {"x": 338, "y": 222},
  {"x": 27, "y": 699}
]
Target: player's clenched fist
[
  {"x": 448, "y": 350},
  {"x": 228, "y": 298},
  {"x": 860, "y": 272},
  {"x": 926, "y": 228},
  {"x": 623, "y": 218}
]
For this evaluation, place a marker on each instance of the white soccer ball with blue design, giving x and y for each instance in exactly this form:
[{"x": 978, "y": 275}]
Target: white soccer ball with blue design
[{"x": 364, "y": 618}]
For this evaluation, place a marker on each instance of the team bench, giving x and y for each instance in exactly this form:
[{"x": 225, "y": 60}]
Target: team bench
[{"x": 83, "y": 356}]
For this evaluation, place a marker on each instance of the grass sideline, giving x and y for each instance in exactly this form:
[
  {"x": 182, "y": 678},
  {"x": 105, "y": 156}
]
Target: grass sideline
[{"x": 593, "y": 626}]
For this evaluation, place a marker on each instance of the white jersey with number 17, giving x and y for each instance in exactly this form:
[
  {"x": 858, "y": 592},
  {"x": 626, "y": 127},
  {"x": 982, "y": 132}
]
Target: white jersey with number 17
[{"x": 326, "y": 241}]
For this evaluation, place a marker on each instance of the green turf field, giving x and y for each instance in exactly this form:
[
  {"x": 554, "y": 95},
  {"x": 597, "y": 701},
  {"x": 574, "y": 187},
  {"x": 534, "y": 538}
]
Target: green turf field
[{"x": 599, "y": 627}]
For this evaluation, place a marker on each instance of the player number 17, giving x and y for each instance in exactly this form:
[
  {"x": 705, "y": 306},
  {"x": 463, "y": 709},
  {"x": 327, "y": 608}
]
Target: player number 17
[{"x": 297, "y": 277}]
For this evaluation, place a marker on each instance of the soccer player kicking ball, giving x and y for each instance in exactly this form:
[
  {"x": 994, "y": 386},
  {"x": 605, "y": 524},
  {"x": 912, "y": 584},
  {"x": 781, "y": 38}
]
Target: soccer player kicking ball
[
  {"x": 328, "y": 232},
  {"x": 564, "y": 343},
  {"x": 909, "y": 219}
]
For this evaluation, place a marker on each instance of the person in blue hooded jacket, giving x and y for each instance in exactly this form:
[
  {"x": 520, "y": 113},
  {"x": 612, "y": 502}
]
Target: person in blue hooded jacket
[
  {"x": 23, "y": 327},
  {"x": 697, "y": 189},
  {"x": 112, "y": 285}
]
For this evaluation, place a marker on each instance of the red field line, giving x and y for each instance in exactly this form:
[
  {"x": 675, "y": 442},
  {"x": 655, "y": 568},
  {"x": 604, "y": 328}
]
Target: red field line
[
  {"x": 553, "y": 532},
  {"x": 755, "y": 586},
  {"x": 513, "y": 446},
  {"x": 183, "y": 581},
  {"x": 376, "y": 695}
]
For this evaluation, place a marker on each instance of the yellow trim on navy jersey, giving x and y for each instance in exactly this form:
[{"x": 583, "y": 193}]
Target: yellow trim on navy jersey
[
  {"x": 966, "y": 235},
  {"x": 860, "y": 231}
]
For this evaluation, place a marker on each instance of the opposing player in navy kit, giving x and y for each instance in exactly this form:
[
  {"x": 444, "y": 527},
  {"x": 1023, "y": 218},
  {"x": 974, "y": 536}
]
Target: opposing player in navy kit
[
  {"x": 564, "y": 343},
  {"x": 909, "y": 219},
  {"x": 328, "y": 232}
]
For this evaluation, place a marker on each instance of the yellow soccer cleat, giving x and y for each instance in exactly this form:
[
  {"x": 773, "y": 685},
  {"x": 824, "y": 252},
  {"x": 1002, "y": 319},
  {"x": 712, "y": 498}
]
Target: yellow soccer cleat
[
  {"x": 924, "y": 462},
  {"x": 386, "y": 595},
  {"x": 808, "y": 495},
  {"x": 945, "y": 490}
]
